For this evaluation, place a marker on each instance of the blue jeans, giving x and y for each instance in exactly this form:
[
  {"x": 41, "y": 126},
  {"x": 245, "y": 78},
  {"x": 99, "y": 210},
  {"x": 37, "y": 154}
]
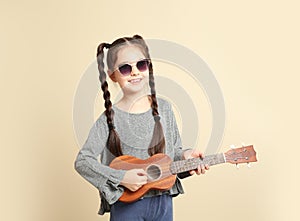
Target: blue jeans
[{"x": 156, "y": 208}]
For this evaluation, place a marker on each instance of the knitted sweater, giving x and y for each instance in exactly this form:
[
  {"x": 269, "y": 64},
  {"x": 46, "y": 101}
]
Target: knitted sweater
[{"x": 135, "y": 131}]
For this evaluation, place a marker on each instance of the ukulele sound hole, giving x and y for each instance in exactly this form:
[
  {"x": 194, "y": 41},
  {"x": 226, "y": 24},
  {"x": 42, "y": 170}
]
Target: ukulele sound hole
[{"x": 153, "y": 172}]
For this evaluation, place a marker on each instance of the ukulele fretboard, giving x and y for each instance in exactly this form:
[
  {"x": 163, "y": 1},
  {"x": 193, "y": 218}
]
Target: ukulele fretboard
[{"x": 191, "y": 164}]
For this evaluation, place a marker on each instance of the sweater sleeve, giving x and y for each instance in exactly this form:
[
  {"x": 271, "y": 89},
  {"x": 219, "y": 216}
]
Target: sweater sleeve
[{"x": 104, "y": 178}]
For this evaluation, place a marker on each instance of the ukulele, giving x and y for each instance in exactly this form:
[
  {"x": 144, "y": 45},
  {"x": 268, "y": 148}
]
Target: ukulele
[{"x": 162, "y": 171}]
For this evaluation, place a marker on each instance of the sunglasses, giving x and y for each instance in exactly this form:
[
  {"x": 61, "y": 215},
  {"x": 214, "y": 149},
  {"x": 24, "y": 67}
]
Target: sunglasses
[{"x": 126, "y": 69}]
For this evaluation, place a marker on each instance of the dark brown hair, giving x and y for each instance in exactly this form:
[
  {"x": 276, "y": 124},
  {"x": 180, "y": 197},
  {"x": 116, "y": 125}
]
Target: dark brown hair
[{"x": 157, "y": 144}]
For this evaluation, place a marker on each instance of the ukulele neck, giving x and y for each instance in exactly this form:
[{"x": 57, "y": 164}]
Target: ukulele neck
[{"x": 191, "y": 164}]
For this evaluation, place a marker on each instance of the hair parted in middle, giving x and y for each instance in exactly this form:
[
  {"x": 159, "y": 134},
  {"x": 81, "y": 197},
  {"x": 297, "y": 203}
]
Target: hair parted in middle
[{"x": 157, "y": 143}]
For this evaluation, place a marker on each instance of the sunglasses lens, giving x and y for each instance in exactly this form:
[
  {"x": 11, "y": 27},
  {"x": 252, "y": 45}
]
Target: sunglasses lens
[
  {"x": 142, "y": 65},
  {"x": 125, "y": 69}
]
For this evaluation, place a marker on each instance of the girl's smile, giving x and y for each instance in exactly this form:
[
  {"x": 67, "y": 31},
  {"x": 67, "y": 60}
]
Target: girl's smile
[{"x": 135, "y": 80}]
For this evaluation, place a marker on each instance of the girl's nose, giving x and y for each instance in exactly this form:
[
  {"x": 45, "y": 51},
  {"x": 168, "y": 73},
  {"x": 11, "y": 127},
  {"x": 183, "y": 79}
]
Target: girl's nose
[{"x": 135, "y": 71}]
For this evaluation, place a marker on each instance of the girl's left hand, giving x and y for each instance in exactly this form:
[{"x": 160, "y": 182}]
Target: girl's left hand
[{"x": 193, "y": 153}]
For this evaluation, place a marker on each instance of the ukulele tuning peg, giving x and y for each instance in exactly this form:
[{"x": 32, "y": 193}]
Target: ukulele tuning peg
[
  {"x": 248, "y": 165},
  {"x": 237, "y": 166},
  {"x": 232, "y": 146}
]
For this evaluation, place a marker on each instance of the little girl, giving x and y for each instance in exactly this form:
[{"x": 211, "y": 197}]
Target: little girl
[{"x": 140, "y": 125}]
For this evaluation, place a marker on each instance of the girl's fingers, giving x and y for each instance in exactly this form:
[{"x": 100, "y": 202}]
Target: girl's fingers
[
  {"x": 141, "y": 172},
  {"x": 192, "y": 172},
  {"x": 202, "y": 169},
  {"x": 198, "y": 171},
  {"x": 206, "y": 166},
  {"x": 144, "y": 181},
  {"x": 196, "y": 153}
]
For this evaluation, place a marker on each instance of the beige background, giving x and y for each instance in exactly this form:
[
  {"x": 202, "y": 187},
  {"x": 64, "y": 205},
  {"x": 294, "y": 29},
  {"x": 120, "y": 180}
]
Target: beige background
[{"x": 251, "y": 46}]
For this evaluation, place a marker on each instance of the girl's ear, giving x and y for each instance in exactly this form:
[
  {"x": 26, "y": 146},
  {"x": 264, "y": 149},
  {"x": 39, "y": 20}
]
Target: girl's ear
[{"x": 111, "y": 75}]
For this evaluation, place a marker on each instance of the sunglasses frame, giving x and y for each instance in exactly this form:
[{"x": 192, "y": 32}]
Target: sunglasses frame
[{"x": 133, "y": 64}]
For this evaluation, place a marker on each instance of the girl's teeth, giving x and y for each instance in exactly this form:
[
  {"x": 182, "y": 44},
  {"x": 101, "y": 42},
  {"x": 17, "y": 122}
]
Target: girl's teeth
[{"x": 135, "y": 80}]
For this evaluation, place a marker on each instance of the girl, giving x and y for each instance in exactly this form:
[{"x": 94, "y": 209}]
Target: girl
[{"x": 139, "y": 125}]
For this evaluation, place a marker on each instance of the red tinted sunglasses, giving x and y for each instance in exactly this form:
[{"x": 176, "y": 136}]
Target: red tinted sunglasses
[{"x": 126, "y": 69}]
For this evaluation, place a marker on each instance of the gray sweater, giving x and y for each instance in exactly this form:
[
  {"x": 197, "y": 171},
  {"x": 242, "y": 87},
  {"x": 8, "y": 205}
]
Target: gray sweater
[{"x": 135, "y": 132}]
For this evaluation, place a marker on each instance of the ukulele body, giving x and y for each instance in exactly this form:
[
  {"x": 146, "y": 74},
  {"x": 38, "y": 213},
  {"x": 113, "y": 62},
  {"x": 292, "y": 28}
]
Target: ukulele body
[{"x": 158, "y": 171}]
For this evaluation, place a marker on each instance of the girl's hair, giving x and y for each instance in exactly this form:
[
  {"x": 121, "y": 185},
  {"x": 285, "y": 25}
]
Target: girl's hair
[{"x": 157, "y": 144}]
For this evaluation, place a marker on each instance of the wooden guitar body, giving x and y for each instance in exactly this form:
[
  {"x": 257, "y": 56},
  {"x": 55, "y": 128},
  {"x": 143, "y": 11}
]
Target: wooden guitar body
[{"x": 157, "y": 168}]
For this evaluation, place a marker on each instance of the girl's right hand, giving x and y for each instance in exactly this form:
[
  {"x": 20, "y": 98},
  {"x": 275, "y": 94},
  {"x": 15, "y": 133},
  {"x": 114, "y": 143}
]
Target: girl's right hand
[{"x": 134, "y": 179}]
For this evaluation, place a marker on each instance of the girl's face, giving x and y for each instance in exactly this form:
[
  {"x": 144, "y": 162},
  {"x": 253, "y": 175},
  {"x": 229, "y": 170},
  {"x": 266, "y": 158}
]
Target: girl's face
[{"x": 137, "y": 80}]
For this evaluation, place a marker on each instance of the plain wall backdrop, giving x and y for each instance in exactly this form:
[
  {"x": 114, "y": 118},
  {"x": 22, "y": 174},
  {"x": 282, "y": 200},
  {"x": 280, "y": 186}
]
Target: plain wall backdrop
[{"x": 252, "y": 47}]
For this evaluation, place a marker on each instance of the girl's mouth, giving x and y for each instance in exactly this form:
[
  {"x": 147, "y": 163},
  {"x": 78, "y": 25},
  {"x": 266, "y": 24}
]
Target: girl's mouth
[{"x": 135, "y": 81}]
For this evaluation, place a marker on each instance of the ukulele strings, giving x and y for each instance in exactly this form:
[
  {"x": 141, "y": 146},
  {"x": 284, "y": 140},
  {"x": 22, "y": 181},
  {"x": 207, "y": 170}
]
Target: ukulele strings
[{"x": 164, "y": 168}]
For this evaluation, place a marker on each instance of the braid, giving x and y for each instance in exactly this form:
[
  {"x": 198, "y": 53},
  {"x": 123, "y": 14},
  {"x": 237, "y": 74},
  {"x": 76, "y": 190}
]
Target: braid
[
  {"x": 113, "y": 141},
  {"x": 154, "y": 105}
]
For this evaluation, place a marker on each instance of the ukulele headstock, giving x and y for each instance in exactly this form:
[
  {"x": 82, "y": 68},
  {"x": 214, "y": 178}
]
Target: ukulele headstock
[{"x": 245, "y": 154}]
